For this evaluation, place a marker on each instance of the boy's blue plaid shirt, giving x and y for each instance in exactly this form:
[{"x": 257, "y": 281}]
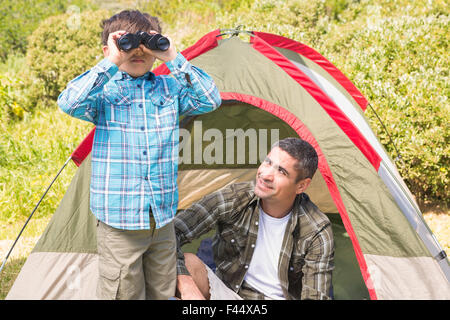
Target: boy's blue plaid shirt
[{"x": 135, "y": 149}]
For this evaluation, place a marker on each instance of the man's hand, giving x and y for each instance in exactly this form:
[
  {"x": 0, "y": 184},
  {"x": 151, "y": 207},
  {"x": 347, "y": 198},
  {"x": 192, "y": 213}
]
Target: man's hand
[
  {"x": 188, "y": 289},
  {"x": 164, "y": 56}
]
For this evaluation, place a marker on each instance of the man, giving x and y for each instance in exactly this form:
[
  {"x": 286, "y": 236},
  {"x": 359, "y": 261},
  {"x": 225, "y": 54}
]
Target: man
[{"x": 272, "y": 242}]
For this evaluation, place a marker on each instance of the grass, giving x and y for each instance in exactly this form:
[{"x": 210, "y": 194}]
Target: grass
[
  {"x": 10, "y": 274},
  {"x": 31, "y": 153}
]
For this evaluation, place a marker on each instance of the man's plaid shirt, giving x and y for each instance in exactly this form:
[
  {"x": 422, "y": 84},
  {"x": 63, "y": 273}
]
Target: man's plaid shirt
[
  {"x": 307, "y": 254},
  {"x": 135, "y": 148}
]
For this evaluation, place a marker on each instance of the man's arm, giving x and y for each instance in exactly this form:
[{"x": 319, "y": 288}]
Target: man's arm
[
  {"x": 190, "y": 224},
  {"x": 319, "y": 264}
]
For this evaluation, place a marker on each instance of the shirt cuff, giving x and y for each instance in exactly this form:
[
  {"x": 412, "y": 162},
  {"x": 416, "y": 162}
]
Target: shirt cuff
[
  {"x": 181, "y": 269},
  {"x": 179, "y": 64},
  {"x": 107, "y": 67}
]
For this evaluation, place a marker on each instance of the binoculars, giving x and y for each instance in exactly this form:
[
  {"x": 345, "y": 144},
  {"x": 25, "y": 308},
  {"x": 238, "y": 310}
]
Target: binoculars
[{"x": 131, "y": 41}]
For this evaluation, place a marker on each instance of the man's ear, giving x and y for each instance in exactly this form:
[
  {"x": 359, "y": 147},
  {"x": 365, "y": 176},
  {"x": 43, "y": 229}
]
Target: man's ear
[
  {"x": 302, "y": 185},
  {"x": 105, "y": 51}
]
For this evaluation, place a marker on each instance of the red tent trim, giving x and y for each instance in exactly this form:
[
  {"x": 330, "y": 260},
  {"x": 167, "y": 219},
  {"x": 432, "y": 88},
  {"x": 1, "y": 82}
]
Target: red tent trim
[
  {"x": 83, "y": 149},
  {"x": 204, "y": 44},
  {"x": 333, "y": 111},
  {"x": 313, "y": 55}
]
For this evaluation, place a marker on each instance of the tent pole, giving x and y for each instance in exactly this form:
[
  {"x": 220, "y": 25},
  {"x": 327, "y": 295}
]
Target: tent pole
[
  {"x": 399, "y": 157},
  {"x": 37, "y": 205}
]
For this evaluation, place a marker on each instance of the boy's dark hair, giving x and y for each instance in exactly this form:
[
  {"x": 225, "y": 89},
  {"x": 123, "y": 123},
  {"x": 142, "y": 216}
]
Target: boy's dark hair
[
  {"x": 303, "y": 152},
  {"x": 131, "y": 21}
]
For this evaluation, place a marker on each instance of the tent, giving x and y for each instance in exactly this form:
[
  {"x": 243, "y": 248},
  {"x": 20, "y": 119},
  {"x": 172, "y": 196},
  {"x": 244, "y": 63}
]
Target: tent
[{"x": 272, "y": 87}]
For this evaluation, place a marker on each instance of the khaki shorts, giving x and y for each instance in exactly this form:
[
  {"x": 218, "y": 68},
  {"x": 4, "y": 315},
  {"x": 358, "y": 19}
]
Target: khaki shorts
[
  {"x": 137, "y": 264},
  {"x": 218, "y": 290}
]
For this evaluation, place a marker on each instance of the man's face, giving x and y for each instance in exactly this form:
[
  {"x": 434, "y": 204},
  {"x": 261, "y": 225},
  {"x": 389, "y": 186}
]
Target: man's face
[{"x": 276, "y": 178}]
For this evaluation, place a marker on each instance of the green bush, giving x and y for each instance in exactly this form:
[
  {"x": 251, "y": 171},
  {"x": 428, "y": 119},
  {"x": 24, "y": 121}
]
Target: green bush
[
  {"x": 58, "y": 53},
  {"x": 185, "y": 21},
  {"x": 9, "y": 108},
  {"x": 400, "y": 63},
  {"x": 395, "y": 52},
  {"x": 61, "y": 48},
  {"x": 18, "y": 19}
]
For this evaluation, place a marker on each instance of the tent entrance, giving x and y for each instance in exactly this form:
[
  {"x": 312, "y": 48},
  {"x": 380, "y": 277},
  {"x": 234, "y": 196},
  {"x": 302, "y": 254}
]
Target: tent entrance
[{"x": 227, "y": 146}]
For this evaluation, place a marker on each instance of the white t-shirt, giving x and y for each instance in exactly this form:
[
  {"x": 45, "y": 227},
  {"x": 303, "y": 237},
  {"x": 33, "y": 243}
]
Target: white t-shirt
[{"x": 262, "y": 273}]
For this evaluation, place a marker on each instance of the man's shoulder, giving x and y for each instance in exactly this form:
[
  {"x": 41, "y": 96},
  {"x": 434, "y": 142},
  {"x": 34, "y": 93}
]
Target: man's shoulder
[
  {"x": 240, "y": 190},
  {"x": 233, "y": 196},
  {"x": 311, "y": 214},
  {"x": 247, "y": 186}
]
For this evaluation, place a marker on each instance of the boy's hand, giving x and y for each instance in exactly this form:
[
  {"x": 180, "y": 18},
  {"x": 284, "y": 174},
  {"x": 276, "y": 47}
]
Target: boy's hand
[
  {"x": 164, "y": 56},
  {"x": 113, "y": 53}
]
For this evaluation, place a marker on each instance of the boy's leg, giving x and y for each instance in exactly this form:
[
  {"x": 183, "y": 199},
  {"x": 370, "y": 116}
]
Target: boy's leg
[
  {"x": 120, "y": 262},
  {"x": 160, "y": 264}
]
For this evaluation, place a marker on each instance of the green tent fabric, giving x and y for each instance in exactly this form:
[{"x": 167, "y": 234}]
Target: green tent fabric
[{"x": 271, "y": 87}]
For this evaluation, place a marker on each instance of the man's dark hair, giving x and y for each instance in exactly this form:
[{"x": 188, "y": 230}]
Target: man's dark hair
[
  {"x": 131, "y": 21},
  {"x": 303, "y": 152}
]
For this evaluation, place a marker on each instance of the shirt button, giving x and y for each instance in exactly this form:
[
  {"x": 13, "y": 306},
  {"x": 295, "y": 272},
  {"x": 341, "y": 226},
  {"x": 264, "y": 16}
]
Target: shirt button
[
  {"x": 140, "y": 106},
  {"x": 138, "y": 85},
  {"x": 256, "y": 222},
  {"x": 144, "y": 153},
  {"x": 142, "y": 128},
  {"x": 253, "y": 245},
  {"x": 291, "y": 268},
  {"x": 161, "y": 102},
  {"x": 232, "y": 240},
  {"x": 246, "y": 266},
  {"x": 145, "y": 178},
  {"x": 116, "y": 100},
  {"x": 237, "y": 286}
]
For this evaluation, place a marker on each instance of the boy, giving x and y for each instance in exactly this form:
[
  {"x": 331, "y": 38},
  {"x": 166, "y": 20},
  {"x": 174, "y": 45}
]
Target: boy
[{"x": 133, "y": 191}]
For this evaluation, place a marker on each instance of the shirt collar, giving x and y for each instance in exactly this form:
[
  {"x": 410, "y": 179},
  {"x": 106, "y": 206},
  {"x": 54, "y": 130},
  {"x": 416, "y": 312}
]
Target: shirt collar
[{"x": 296, "y": 208}]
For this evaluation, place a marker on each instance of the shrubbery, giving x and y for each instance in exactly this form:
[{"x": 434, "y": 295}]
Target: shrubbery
[
  {"x": 19, "y": 18},
  {"x": 61, "y": 48},
  {"x": 396, "y": 53},
  {"x": 399, "y": 60},
  {"x": 9, "y": 107}
]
